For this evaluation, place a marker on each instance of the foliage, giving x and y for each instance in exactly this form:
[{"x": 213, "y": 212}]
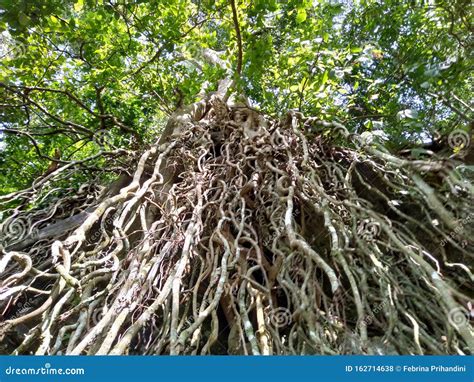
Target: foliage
[{"x": 400, "y": 67}]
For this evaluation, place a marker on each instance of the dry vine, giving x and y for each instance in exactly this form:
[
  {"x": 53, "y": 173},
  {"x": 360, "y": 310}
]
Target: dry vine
[{"x": 241, "y": 234}]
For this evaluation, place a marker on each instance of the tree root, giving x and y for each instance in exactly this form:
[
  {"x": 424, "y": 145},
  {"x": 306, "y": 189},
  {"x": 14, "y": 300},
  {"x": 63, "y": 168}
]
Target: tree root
[{"x": 255, "y": 240}]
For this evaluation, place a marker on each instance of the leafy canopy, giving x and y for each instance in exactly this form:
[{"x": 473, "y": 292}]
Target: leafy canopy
[{"x": 72, "y": 70}]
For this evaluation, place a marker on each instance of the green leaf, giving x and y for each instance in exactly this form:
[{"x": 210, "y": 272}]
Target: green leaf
[
  {"x": 301, "y": 15},
  {"x": 325, "y": 77},
  {"x": 79, "y": 5}
]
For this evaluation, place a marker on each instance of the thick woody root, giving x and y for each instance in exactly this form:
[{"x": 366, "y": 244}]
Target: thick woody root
[{"x": 262, "y": 241}]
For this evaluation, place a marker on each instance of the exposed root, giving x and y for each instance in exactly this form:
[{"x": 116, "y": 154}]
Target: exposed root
[{"x": 243, "y": 235}]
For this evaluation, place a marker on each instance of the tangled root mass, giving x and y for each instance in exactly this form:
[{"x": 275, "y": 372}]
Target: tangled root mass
[{"x": 242, "y": 234}]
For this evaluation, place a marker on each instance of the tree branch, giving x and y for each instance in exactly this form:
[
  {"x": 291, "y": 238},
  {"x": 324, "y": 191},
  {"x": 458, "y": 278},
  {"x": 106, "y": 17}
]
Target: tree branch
[{"x": 239, "y": 36}]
